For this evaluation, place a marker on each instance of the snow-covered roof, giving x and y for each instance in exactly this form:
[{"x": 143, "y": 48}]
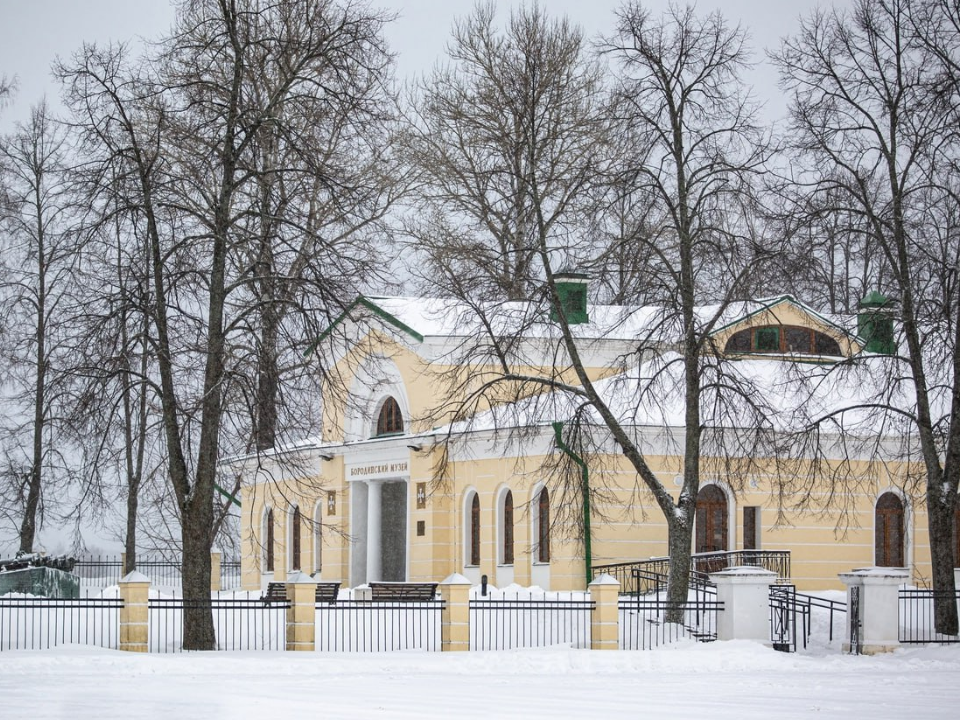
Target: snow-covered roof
[
  {"x": 757, "y": 393},
  {"x": 422, "y": 318}
]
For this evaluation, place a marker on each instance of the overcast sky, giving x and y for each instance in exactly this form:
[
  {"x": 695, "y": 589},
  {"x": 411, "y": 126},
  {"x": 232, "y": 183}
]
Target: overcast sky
[{"x": 34, "y": 32}]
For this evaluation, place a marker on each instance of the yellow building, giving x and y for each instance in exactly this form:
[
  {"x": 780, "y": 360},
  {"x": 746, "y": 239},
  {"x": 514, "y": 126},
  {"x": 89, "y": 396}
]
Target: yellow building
[{"x": 423, "y": 467}]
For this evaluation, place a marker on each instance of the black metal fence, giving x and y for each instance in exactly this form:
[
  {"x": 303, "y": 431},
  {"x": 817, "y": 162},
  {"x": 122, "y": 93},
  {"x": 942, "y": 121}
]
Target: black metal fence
[
  {"x": 791, "y": 616},
  {"x": 230, "y": 575},
  {"x": 644, "y": 626},
  {"x": 97, "y": 571},
  {"x": 917, "y": 616},
  {"x": 239, "y": 624},
  {"x": 41, "y": 623},
  {"x": 374, "y": 626},
  {"x": 777, "y": 561},
  {"x": 505, "y": 623}
]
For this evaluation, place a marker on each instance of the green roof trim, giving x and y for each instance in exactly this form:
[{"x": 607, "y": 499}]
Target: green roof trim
[
  {"x": 776, "y": 301},
  {"x": 363, "y": 302}
]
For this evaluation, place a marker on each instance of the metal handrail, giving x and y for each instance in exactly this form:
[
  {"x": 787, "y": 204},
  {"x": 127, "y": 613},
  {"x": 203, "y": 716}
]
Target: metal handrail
[{"x": 645, "y": 576}]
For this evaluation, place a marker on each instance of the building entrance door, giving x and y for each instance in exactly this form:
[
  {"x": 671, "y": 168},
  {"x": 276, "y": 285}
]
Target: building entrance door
[
  {"x": 379, "y": 529},
  {"x": 393, "y": 532}
]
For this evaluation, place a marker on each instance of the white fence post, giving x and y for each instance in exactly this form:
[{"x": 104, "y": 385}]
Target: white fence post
[
  {"x": 745, "y": 594},
  {"x": 879, "y": 607}
]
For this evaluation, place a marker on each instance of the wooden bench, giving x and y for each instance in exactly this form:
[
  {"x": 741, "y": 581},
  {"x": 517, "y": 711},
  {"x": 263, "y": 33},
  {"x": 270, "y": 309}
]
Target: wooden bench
[
  {"x": 402, "y": 592},
  {"x": 326, "y": 592}
]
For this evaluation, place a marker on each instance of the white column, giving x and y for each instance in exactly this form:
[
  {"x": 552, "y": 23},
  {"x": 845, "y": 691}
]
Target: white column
[{"x": 374, "y": 499}]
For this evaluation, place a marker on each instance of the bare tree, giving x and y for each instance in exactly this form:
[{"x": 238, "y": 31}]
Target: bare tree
[
  {"x": 114, "y": 390},
  {"x": 322, "y": 181},
  {"x": 506, "y": 139},
  {"x": 39, "y": 254},
  {"x": 830, "y": 259},
  {"x": 679, "y": 89},
  {"x": 175, "y": 140},
  {"x": 680, "y": 85},
  {"x": 874, "y": 139}
]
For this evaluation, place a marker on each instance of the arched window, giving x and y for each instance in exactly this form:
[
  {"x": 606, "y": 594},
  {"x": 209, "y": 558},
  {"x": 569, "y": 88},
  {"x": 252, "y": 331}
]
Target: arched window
[
  {"x": 506, "y": 533},
  {"x": 390, "y": 419},
  {"x": 889, "y": 531},
  {"x": 475, "y": 530},
  {"x": 268, "y": 541},
  {"x": 781, "y": 339},
  {"x": 711, "y": 522},
  {"x": 318, "y": 538},
  {"x": 543, "y": 526},
  {"x": 295, "y": 523}
]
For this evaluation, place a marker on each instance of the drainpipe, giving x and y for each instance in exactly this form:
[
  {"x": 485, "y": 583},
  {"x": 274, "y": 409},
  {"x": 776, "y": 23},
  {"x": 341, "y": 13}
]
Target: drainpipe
[
  {"x": 585, "y": 491},
  {"x": 227, "y": 494}
]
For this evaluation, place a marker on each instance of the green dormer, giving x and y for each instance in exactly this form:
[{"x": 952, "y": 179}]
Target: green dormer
[
  {"x": 875, "y": 324},
  {"x": 572, "y": 291}
]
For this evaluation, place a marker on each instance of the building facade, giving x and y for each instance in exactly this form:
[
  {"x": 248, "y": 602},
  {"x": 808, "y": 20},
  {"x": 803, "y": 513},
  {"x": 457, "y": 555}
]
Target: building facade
[{"x": 423, "y": 468}]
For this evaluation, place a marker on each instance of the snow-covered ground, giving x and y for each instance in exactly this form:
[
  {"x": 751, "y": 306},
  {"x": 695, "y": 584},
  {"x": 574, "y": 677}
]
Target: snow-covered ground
[
  {"x": 712, "y": 681},
  {"x": 718, "y": 681}
]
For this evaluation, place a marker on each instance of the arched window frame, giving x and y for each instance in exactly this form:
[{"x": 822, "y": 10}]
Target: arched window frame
[
  {"x": 506, "y": 546},
  {"x": 905, "y": 528},
  {"x": 729, "y": 515},
  {"x": 377, "y": 378},
  {"x": 268, "y": 538},
  {"x": 295, "y": 539},
  {"x": 474, "y": 532},
  {"x": 776, "y": 339},
  {"x": 389, "y": 418},
  {"x": 541, "y": 516},
  {"x": 317, "y": 534},
  {"x": 467, "y": 514}
]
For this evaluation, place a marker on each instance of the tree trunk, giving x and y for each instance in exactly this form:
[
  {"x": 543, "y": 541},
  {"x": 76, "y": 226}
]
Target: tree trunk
[
  {"x": 28, "y": 527},
  {"x": 940, "y": 520},
  {"x": 268, "y": 380},
  {"x": 198, "y": 633},
  {"x": 680, "y": 537},
  {"x": 130, "y": 536},
  {"x": 134, "y": 447}
]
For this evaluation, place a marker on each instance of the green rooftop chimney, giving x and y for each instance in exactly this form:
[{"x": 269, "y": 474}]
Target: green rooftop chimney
[
  {"x": 572, "y": 291},
  {"x": 875, "y": 323}
]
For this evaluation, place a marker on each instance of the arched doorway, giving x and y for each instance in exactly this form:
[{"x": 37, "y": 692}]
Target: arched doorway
[
  {"x": 889, "y": 531},
  {"x": 711, "y": 523}
]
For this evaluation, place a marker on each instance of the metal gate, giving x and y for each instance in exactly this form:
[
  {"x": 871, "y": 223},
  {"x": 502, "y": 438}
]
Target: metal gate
[
  {"x": 855, "y": 620},
  {"x": 783, "y": 617}
]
